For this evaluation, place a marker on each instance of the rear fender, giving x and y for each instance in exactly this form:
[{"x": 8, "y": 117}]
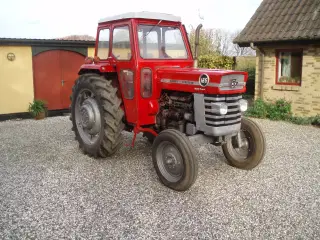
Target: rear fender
[
  {"x": 107, "y": 71},
  {"x": 97, "y": 68}
]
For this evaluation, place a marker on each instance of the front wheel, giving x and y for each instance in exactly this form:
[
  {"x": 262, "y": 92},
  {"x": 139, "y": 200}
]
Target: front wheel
[
  {"x": 175, "y": 160},
  {"x": 252, "y": 149}
]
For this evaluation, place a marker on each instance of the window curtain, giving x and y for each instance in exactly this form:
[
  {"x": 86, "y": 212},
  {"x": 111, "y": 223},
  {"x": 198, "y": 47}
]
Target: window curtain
[{"x": 285, "y": 64}]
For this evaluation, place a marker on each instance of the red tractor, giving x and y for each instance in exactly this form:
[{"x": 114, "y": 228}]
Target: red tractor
[{"x": 144, "y": 78}]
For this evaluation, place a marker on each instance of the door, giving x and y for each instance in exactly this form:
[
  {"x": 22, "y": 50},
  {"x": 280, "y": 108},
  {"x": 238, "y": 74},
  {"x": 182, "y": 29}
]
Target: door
[
  {"x": 122, "y": 53},
  {"x": 54, "y": 74},
  {"x": 70, "y": 63},
  {"x": 47, "y": 78}
]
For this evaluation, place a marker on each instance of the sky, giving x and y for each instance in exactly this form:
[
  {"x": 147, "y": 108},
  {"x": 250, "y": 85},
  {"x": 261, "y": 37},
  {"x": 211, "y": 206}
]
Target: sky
[{"x": 59, "y": 18}]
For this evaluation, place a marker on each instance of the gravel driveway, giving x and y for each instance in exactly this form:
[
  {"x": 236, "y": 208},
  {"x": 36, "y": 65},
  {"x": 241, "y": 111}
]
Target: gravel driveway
[{"x": 50, "y": 190}]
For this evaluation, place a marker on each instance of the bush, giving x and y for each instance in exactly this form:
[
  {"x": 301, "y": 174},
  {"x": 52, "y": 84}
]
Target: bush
[
  {"x": 259, "y": 109},
  {"x": 215, "y": 62},
  {"x": 245, "y": 62},
  {"x": 251, "y": 79},
  {"x": 316, "y": 120},
  {"x": 306, "y": 120},
  {"x": 279, "y": 110},
  {"x": 300, "y": 120}
]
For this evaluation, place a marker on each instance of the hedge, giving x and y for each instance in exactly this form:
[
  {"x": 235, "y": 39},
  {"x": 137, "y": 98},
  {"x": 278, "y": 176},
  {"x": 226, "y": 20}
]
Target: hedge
[
  {"x": 251, "y": 79},
  {"x": 215, "y": 62}
]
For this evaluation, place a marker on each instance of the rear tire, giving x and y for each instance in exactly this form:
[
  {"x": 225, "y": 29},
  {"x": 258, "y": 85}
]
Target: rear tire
[
  {"x": 96, "y": 115},
  {"x": 175, "y": 160},
  {"x": 254, "y": 140}
]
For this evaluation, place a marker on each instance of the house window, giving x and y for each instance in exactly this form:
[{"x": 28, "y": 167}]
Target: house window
[{"x": 289, "y": 67}]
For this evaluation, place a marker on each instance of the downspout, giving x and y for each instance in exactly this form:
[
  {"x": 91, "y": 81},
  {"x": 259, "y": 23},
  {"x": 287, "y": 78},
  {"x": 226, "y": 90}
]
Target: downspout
[{"x": 261, "y": 68}]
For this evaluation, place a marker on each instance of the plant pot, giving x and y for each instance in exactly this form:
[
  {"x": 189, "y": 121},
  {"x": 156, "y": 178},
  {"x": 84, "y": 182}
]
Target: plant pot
[{"x": 40, "y": 116}]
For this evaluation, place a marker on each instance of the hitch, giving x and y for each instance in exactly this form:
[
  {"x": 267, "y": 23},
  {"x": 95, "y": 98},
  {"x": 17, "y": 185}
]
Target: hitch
[{"x": 138, "y": 129}]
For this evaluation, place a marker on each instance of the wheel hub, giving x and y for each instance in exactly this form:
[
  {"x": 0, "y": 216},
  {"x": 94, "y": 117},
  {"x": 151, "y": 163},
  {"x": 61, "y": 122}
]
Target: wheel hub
[
  {"x": 88, "y": 117},
  {"x": 245, "y": 143},
  {"x": 170, "y": 161},
  {"x": 241, "y": 152}
]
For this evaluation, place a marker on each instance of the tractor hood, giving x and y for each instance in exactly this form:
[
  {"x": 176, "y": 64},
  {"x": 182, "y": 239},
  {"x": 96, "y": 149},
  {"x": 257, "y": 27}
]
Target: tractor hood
[{"x": 199, "y": 80}]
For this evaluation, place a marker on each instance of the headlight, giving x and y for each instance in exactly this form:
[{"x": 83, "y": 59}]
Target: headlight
[
  {"x": 219, "y": 108},
  {"x": 243, "y": 105}
]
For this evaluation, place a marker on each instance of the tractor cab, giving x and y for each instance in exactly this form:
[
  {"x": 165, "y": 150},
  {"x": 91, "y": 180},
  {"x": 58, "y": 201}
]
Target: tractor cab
[{"x": 135, "y": 46}]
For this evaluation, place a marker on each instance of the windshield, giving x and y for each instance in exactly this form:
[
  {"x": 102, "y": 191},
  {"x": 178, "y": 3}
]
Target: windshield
[{"x": 159, "y": 42}]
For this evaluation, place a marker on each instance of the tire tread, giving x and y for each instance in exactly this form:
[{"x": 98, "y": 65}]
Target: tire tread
[
  {"x": 260, "y": 151},
  {"x": 111, "y": 111},
  {"x": 189, "y": 155}
]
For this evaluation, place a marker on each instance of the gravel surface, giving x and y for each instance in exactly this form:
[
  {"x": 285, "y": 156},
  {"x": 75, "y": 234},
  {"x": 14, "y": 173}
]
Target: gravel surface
[{"x": 50, "y": 190}]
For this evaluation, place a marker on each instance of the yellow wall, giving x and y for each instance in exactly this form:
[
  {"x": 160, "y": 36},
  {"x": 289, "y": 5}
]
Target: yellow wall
[
  {"x": 90, "y": 51},
  {"x": 16, "y": 79}
]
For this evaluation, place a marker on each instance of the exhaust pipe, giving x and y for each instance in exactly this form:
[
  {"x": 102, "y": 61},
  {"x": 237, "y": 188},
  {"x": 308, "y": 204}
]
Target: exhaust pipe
[{"x": 197, "y": 36}]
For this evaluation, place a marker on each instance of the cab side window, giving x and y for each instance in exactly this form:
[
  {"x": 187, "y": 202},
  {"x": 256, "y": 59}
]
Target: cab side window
[
  {"x": 103, "y": 43},
  {"x": 121, "y": 47}
]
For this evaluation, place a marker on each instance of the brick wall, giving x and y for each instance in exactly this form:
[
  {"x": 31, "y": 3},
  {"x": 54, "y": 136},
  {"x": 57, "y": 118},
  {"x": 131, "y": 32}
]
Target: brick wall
[{"x": 305, "y": 99}]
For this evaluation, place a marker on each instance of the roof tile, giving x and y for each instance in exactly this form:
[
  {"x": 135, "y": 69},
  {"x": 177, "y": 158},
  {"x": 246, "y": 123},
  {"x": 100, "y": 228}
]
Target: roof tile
[{"x": 276, "y": 20}]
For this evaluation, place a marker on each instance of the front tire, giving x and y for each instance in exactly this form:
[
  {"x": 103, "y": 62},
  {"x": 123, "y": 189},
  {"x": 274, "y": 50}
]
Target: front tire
[
  {"x": 174, "y": 159},
  {"x": 96, "y": 115},
  {"x": 253, "y": 150}
]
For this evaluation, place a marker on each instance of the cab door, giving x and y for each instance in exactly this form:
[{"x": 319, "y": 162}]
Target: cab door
[{"x": 122, "y": 54}]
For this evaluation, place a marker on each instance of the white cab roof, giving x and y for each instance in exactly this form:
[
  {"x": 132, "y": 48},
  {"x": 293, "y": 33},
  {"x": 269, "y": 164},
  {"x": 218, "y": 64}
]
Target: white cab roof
[{"x": 147, "y": 15}]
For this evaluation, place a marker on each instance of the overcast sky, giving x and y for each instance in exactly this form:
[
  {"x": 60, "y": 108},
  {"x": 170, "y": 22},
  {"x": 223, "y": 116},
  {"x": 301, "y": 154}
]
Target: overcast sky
[{"x": 58, "y": 18}]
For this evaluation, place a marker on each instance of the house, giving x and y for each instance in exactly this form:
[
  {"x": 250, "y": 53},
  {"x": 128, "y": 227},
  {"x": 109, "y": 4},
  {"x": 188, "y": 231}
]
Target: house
[
  {"x": 39, "y": 68},
  {"x": 286, "y": 35}
]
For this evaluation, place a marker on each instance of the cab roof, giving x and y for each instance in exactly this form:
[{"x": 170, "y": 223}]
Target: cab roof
[{"x": 143, "y": 14}]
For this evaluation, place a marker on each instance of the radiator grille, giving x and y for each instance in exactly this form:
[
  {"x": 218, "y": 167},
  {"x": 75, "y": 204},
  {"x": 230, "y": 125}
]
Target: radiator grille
[{"x": 233, "y": 115}]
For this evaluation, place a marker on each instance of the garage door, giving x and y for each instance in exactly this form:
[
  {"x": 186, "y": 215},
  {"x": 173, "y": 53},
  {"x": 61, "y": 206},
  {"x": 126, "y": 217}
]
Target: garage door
[{"x": 54, "y": 74}]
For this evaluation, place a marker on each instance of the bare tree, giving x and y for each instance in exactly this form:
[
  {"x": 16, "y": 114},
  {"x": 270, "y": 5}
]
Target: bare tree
[
  {"x": 222, "y": 42},
  {"x": 219, "y": 42},
  {"x": 206, "y": 41},
  {"x": 241, "y": 51}
]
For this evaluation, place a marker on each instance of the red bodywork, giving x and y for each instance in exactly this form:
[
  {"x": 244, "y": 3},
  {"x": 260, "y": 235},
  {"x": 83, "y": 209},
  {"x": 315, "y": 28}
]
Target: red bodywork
[{"x": 142, "y": 111}]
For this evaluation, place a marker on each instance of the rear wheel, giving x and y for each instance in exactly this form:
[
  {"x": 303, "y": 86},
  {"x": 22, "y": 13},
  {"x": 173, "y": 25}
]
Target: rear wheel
[
  {"x": 175, "y": 160},
  {"x": 253, "y": 148},
  {"x": 96, "y": 115}
]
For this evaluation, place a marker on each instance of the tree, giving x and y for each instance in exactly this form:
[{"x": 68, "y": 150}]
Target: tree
[
  {"x": 218, "y": 42},
  {"x": 206, "y": 43},
  {"x": 78, "y": 38},
  {"x": 241, "y": 51},
  {"x": 222, "y": 42}
]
